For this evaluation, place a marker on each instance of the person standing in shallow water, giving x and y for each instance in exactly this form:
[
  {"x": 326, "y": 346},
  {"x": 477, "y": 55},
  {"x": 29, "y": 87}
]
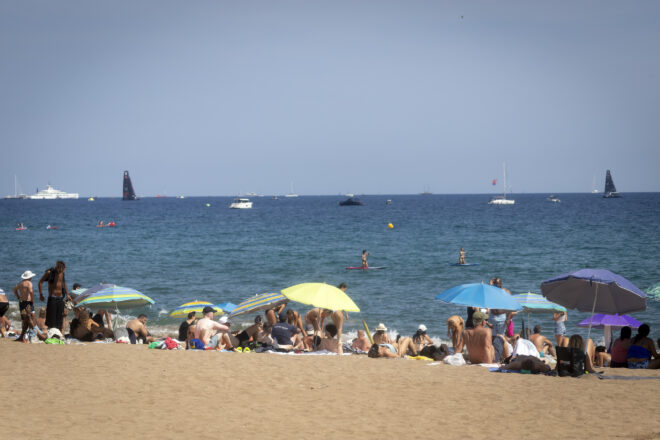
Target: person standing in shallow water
[{"x": 57, "y": 292}]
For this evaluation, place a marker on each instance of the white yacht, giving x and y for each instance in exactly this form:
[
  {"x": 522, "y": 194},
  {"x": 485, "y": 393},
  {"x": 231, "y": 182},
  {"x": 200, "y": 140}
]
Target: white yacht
[
  {"x": 240, "y": 203},
  {"x": 291, "y": 194},
  {"x": 51, "y": 193},
  {"x": 502, "y": 200},
  {"x": 553, "y": 199}
]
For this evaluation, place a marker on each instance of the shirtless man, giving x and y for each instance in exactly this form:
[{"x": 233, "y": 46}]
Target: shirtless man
[
  {"x": 361, "y": 342},
  {"x": 542, "y": 344},
  {"x": 329, "y": 342},
  {"x": 272, "y": 314},
  {"x": 137, "y": 329},
  {"x": 478, "y": 341},
  {"x": 455, "y": 326},
  {"x": 206, "y": 329},
  {"x": 57, "y": 292},
  {"x": 4, "y": 322},
  {"x": 24, "y": 291}
]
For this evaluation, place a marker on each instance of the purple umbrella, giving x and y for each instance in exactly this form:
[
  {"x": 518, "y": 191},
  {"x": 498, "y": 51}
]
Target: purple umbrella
[
  {"x": 594, "y": 290},
  {"x": 600, "y": 320}
]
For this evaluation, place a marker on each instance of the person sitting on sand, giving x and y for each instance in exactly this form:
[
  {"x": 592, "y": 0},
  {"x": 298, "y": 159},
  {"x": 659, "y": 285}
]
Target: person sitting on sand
[
  {"x": 380, "y": 336},
  {"x": 478, "y": 341},
  {"x": 272, "y": 314},
  {"x": 207, "y": 329},
  {"x": 329, "y": 342},
  {"x": 316, "y": 317},
  {"x": 249, "y": 335},
  {"x": 99, "y": 316},
  {"x": 88, "y": 330},
  {"x": 576, "y": 342},
  {"x": 361, "y": 342},
  {"x": 642, "y": 349},
  {"x": 619, "y": 352},
  {"x": 264, "y": 336},
  {"x": 293, "y": 318},
  {"x": 185, "y": 325},
  {"x": 421, "y": 339},
  {"x": 455, "y": 326},
  {"x": 137, "y": 330},
  {"x": 40, "y": 324},
  {"x": 285, "y": 334},
  {"x": 404, "y": 346},
  {"x": 461, "y": 256},
  {"x": 542, "y": 344},
  {"x": 310, "y": 341}
]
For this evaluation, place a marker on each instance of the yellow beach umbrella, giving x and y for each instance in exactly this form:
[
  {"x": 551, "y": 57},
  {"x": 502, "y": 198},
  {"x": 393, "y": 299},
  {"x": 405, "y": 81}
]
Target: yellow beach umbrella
[
  {"x": 321, "y": 295},
  {"x": 193, "y": 306}
]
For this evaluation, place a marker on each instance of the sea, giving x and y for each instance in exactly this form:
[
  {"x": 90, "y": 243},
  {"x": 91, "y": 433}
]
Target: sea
[{"x": 177, "y": 250}]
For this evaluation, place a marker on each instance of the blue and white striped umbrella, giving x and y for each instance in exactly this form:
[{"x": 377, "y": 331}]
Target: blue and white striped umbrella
[
  {"x": 113, "y": 296},
  {"x": 535, "y": 303},
  {"x": 258, "y": 303}
]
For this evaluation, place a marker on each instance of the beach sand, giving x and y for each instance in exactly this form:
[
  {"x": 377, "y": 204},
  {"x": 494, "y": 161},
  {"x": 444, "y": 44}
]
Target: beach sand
[{"x": 117, "y": 391}]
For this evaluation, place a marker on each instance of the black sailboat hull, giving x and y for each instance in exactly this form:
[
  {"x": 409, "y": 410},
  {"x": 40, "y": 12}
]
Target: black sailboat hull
[{"x": 610, "y": 190}]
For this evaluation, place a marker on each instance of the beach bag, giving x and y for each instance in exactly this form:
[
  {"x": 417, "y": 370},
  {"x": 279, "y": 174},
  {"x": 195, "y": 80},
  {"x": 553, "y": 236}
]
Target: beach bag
[
  {"x": 171, "y": 344},
  {"x": 196, "y": 344},
  {"x": 455, "y": 359}
]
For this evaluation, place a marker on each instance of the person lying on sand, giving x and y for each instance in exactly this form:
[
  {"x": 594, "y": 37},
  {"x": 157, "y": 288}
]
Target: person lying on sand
[
  {"x": 542, "y": 344},
  {"x": 527, "y": 364},
  {"x": 478, "y": 341},
  {"x": 249, "y": 335},
  {"x": 398, "y": 349},
  {"x": 137, "y": 330},
  {"x": 361, "y": 342}
]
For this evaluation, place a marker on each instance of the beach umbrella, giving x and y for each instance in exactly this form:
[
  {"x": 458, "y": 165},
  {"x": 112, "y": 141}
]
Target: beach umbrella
[
  {"x": 321, "y": 295},
  {"x": 82, "y": 293},
  {"x": 600, "y": 320},
  {"x": 113, "y": 296},
  {"x": 258, "y": 303},
  {"x": 479, "y": 295},
  {"x": 594, "y": 290},
  {"x": 226, "y": 307},
  {"x": 535, "y": 303},
  {"x": 192, "y": 306}
]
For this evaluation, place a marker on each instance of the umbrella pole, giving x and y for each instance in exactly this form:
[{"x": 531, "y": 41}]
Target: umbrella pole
[{"x": 593, "y": 308}]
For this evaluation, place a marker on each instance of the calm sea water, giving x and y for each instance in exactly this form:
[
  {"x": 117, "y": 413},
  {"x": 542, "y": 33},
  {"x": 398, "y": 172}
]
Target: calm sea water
[{"x": 178, "y": 250}]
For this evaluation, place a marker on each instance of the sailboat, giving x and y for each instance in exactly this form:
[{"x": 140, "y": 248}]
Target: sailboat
[
  {"x": 593, "y": 185},
  {"x": 16, "y": 193},
  {"x": 502, "y": 200},
  {"x": 610, "y": 189},
  {"x": 128, "y": 192},
  {"x": 291, "y": 194}
]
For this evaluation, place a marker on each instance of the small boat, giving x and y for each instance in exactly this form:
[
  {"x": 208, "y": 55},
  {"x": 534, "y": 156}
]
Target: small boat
[
  {"x": 241, "y": 203},
  {"x": 502, "y": 200},
  {"x": 388, "y": 201},
  {"x": 610, "y": 190},
  {"x": 128, "y": 191},
  {"x": 351, "y": 201},
  {"x": 553, "y": 199},
  {"x": 51, "y": 193},
  {"x": 91, "y": 199}
]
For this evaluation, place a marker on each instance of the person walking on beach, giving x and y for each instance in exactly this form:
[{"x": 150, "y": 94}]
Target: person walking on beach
[
  {"x": 24, "y": 291},
  {"x": 57, "y": 292}
]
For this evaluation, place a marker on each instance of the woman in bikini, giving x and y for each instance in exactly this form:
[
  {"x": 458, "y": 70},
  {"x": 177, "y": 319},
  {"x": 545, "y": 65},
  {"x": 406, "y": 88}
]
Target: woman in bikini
[{"x": 641, "y": 353}]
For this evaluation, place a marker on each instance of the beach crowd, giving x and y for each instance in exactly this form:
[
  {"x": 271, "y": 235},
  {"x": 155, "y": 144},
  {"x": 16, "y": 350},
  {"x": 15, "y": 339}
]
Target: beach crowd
[{"x": 483, "y": 337}]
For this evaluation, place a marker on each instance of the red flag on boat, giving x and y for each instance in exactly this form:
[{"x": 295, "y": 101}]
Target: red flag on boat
[{"x": 494, "y": 182}]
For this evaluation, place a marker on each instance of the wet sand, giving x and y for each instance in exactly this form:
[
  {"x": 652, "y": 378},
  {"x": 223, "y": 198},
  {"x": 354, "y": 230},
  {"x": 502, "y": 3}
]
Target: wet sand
[{"x": 115, "y": 391}]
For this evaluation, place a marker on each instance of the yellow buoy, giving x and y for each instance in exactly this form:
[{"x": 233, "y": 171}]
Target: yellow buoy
[{"x": 390, "y": 225}]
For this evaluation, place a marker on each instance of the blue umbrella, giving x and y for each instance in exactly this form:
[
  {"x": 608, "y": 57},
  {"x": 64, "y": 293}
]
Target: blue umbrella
[
  {"x": 259, "y": 302},
  {"x": 479, "y": 295},
  {"x": 594, "y": 290},
  {"x": 226, "y": 307}
]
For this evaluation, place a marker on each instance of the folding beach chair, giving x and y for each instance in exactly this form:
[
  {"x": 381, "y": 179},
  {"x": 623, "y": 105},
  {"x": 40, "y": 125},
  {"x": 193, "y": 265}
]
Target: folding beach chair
[{"x": 570, "y": 362}]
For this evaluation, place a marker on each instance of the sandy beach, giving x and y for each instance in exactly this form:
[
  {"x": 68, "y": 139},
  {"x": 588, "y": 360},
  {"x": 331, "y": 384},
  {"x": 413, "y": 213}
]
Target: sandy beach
[{"x": 115, "y": 390}]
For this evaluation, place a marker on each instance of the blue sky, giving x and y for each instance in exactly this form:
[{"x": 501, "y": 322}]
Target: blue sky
[{"x": 375, "y": 97}]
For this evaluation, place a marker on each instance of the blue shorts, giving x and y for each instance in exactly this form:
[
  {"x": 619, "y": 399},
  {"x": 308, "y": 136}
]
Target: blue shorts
[{"x": 639, "y": 365}]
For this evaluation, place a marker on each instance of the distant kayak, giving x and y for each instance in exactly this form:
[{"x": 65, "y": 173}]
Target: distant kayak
[
  {"x": 464, "y": 264},
  {"x": 22, "y": 228},
  {"x": 365, "y": 268}
]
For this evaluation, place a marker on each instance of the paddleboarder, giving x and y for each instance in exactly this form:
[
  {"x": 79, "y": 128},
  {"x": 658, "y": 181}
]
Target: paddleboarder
[
  {"x": 365, "y": 265},
  {"x": 461, "y": 256}
]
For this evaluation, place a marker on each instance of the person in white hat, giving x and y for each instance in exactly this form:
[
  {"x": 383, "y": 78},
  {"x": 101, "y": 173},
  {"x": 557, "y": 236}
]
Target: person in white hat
[
  {"x": 24, "y": 292},
  {"x": 420, "y": 338},
  {"x": 381, "y": 337}
]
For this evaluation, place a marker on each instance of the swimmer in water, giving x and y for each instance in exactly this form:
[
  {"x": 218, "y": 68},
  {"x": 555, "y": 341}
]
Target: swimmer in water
[
  {"x": 100, "y": 225},
  {"x": 461, "y": 256},
  {"x": 364, "y": 259}
]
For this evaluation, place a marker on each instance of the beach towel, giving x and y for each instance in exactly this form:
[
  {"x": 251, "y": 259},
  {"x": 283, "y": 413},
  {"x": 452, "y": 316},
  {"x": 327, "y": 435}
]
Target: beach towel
[
  {"x": 455, "y": 359},
  {"x": 525, "y": 347},
  {"x": 171, "y": 344},
  {"x": 54, "y": 341}
]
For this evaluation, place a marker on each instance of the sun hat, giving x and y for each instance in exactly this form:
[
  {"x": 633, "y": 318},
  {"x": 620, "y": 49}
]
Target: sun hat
[
  {"x": 27, "y": 275},
  {"x": 54, "y": 333},
  {"x": 381, "y": 328},
  {"x": 208, "y": 309},
  {"x": 224, "y": 320},
  {"x": 421, "y": 328},
  {"x": 479, "y": 316}
]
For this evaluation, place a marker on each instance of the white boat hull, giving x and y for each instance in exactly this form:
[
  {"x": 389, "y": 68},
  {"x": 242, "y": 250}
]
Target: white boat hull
[
  {"x": 502, "y": 202},
  {"x": 51, "y": 193}
]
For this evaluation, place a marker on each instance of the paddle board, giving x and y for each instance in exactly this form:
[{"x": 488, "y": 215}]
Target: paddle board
[
  {"x": 366, "y": 329},
  {"x": 365, "y": 268},
  {"x": 465, "y": 264}
]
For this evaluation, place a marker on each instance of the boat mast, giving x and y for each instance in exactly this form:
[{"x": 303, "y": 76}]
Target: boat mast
[{"x": 504, "y": 172}]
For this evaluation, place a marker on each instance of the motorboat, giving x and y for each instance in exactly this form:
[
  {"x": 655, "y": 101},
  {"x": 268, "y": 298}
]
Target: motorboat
[
  {"x": 553, "y": 199},
  {"x": 51, "y": 193},
  {"x": 502, "y": 200},
  {"x": 241, "y": 203},
  {"x": 351, "y": 201}
]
